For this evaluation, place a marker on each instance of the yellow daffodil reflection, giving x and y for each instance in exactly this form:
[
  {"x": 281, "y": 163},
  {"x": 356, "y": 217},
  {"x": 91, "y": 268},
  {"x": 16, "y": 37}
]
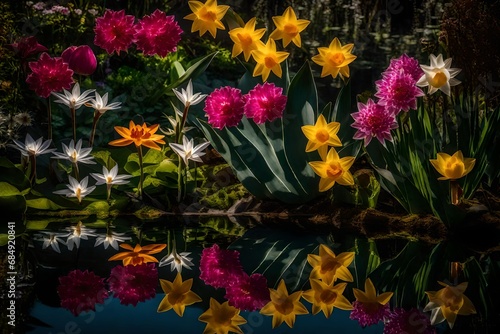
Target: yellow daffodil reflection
[
  {"x": 452, "y": 167},
  {"x": 369, "y": 298},
  {"x": 246, "y": 39},
  {"x": 447, "y": 303},
  {"x": 222, "y": 318},
  {"x": 268, "y": 59},
  {"x": 335, "y": 59},
  {"x": 284, "y": 307},
  {"x": 333, "y": 169},
  {"x": 328, "y": 267},
  {"x": 178, "y": 295},
  {"x": 138, "y": 255},
  {"x": 324, "y": 297},
  {"x": 206, "y": 16},
  {"x": 288, "y": 28},
  {"x": 321, "y": 135}
]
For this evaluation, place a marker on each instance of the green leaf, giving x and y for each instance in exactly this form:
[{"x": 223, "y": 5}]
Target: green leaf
[
  {"x": 4, "y": 238},
  {"x": 8, "y": 190},
  {"x": 198, "y": 68},
  {"x": 42, "y": 204},
  {"x": 104, "y": 158},
  {"x": 13, "y": 175}
]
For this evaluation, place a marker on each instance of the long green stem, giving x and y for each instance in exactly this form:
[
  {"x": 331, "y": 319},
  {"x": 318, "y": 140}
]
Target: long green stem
[
  {"x": 141, "y": 179},
  {"x": 180, "y": 181},
  {"x": 33, "y": 170},
  {"x": 97, "y": 115},
  {"x": 73, "y": 120},
  {"x": 49, "y": 112},
  {"x": 77, "y": 172}
]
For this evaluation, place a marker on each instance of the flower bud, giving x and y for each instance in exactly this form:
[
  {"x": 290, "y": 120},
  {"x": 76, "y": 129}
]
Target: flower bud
[{"x": 81, "y": 59}]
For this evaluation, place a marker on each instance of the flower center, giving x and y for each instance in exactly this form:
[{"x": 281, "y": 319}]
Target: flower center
[
  {"x": 322, "y": 135},
  {"x": 79, "y": 194},
  {"x": 207, "y": 15},
  {"x": 245, "y": 39},
  {"x": 454, "y": 168},
  {"x": 270, "y": 62},
  {"x": 337, "y": 59},
  {"x": 291, "y": 29},
  {"x": 74, "y": 156},
  {"x": 175, "y": 297},
  {"x": 334, "y": 170},
  {"x": 109, "y": 180},
  {"x": 328, "y": 297},
  {"x": 439, "y": 79},
  {"x": 224, "y": 317},
  {"x": 329, "y": 264},
  {"x": 452, "y": 300},
  {"x": 284, "y": 306}
]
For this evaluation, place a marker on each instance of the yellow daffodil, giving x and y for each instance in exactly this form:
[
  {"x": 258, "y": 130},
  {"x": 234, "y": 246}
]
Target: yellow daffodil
[
  {"x": 206, "y": 16},
  {"x": 268, "y": 59},
  {"x": 439, "y": 75},
  {"x": 178, "y": 295},
  {"x": 138, "y": 255},
  {"x": 246, "y": 39},
  {"x": 321, "y": 135},
  {"x": 328, "y": 267},
  {"x": 452, "y": 167},
  {"x": 324, "y": 297},
  {"x": 288, "y": 27},
  {"x": 222, "y": 319},
  {"x": 333, "y": 169},
  {"x": 335, "y": 59},
  {"x": 284, "y": 307},
  {"x": 140, "y": 135},
  {"x": 448, "y": 302},
  {"x": 369, "y": 299}
]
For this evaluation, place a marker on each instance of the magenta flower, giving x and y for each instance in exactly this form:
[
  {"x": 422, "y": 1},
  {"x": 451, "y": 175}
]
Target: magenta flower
[
  {"x": 114, "y": 31},
  {"x": 373, "y": 120},
  {"x": 265, "y": 103},
  {"x": 157, "y": 34},
  {"x": 248, "y": 293},
  {"x": 410, "y": 322},
  {"x": 81, "y": 59},
  {"x": 80, "y": 291},
  {"x": 27, "y": 46},
  {"x": 398, "y": 91},
  {"x": 49, "y": 75},
  {"x": 408, "y": 64},
  {"x": 224, "y": 107},
  {"x": 368, "y": 314},
  {"x": 220, "y": 267},
  {"x": 133, "y": 284}
]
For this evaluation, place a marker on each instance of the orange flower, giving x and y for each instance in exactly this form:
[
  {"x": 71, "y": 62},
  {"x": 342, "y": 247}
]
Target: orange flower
[
  {"x": 138, "y": 255},
  {"x": 139, "y": 135}
]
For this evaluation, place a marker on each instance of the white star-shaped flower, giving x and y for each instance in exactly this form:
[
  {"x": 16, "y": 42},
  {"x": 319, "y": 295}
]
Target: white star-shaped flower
[
  {"x": 111, "y": 239},
  {"x": 73, "y": 100},
  {"x": 32, "y": 147},
  {"x": 187, "y": 151},
  {"x": 100, "y": 104},
  {"x": 76, "y": 153},
  {"x": 439, "y": 75},
  {"x": 76, "y": 189},
  {"x": 177, "y": 261},
  {"x": 78, "y": 232},
  {"x": 187, "y": 97}
]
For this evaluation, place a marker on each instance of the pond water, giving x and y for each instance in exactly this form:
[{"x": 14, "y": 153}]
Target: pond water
[{"x": 407, "y": 268}]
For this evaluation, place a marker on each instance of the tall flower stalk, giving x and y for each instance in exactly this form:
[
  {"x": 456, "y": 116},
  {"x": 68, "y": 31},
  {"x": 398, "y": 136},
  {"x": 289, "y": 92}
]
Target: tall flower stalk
[{"x": 100, "y": 106}]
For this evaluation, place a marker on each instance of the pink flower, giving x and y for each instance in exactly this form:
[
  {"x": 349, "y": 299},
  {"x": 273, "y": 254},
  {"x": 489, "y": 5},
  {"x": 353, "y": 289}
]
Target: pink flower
[
  {"x": 265, "y": 103},
  {"x": 248, "y": 293},
  {"x": 220, "y": 267},
  {"x": 410, "y": 322},
  {"x": 157, "y": 34},
  {"x": 114, "y": 31},
  {"x": 373, "y": 120},
  {"x": 368, "y": 314},
  {"x": 398, "y": 91},
  {"x": 49, "y": 75},
  {"x": 27, "y": 46},
  {"x": 80, "y": 291},
  {"x": 224, "y": 107},
  {"x": 81, "y": 59},
  {"x": 408, "y": 64},
  {"x": 133, "y": 284}
]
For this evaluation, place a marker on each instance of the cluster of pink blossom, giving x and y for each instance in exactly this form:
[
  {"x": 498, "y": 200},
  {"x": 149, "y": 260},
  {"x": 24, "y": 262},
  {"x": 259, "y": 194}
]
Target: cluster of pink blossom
[
  {"x": 408, "y": 321},
  {"x": 133, "y": 284},
  {"x": 226, "y": 106},
  {"x": 54, "y": 74},
  {"x": 154, "y": 34},
  {"x": 221, "y": 268},
  {"x": 80, "y": 291},
  {"x": 397, "y": 91}
]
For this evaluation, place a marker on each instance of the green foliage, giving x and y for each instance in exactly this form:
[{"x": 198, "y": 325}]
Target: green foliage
[{"x": 404, "y": 168}]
